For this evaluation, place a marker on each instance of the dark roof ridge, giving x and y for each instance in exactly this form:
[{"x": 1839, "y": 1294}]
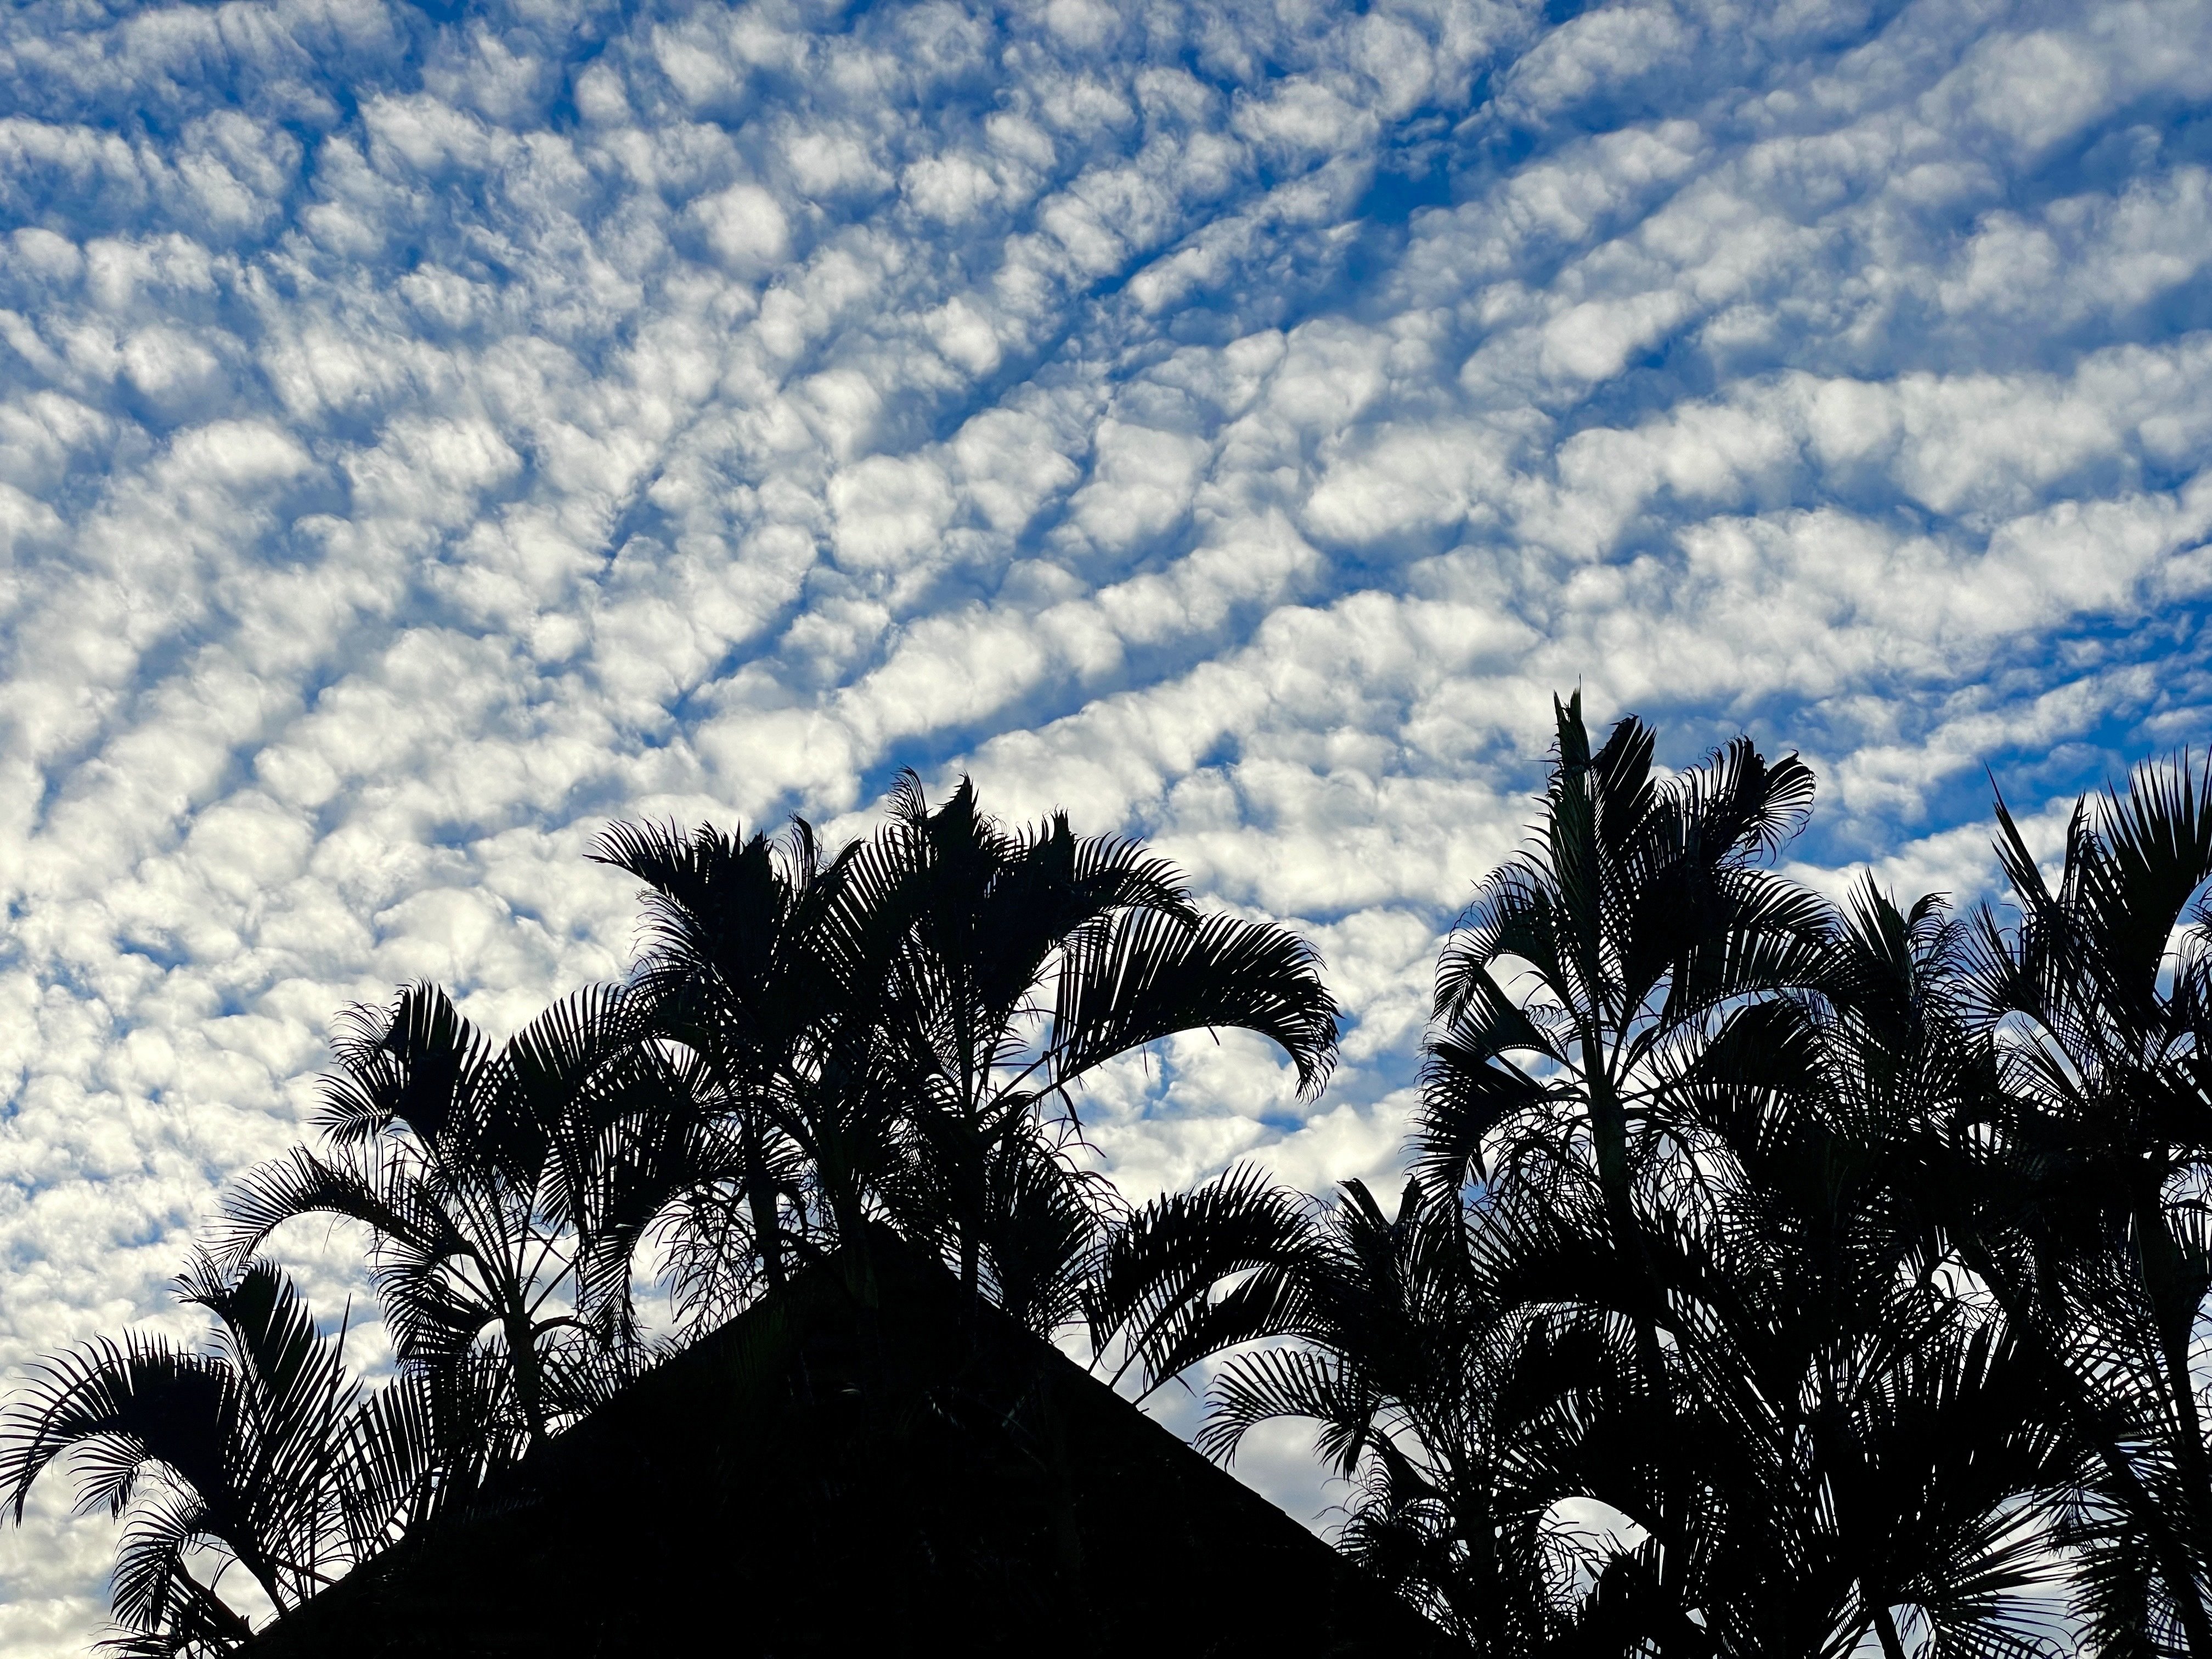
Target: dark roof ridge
[{"x": 865, "y": 1460}]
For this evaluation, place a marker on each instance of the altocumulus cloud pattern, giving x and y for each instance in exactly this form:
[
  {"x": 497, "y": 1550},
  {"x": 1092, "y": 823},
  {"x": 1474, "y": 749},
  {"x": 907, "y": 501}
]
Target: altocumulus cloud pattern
[{"x": 425, "y": 434}]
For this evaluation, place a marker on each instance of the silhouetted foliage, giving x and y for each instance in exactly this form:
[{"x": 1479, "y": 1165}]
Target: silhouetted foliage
[
  {"x": 257, "y": 1454},
  {"x": 1776, "y": 1275},
  {"x": 899, "y": 1033},
  {"x": 811, "y": 1047},
  {"x": 2093, "y": 1231},
  {"x": 481, "y": 1172}
]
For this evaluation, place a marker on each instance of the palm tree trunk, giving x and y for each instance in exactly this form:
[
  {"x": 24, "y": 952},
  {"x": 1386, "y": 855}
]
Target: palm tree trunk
[
  {"x": 1609, "y": 1139},
  {"x": 234, "y": 1624},
  {"x": 529, "y": 1374},
  {"x": 1488, "y": 1622},
  {"x": 768, "y": 1231},
  {"x": 2175, "y": 1311},
  {"x": 1893, "y": 1646},
  {"x": 259, "y": 1566},
  {"x": 971, "y": 1261},
  {"x": 973, "y": 1173}
]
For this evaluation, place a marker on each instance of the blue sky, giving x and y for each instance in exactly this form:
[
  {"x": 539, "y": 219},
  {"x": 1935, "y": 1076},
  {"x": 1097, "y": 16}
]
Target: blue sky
[{"x": 428, "y": 432}]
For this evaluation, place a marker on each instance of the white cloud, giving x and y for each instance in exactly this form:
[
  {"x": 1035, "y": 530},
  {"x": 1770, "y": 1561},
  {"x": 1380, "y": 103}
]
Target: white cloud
[
  {"x": 420, "y": 443},
  {"x": 746, "y": 227}
]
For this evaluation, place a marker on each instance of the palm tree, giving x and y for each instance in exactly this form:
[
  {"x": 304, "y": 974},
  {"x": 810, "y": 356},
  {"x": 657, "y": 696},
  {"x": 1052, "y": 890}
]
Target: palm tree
[
  {"x": 1877, "y": 1435},
  {"x": 489, "y": 1180},
  {"x": 256, "y": 1455},
  {"x": 1784, "y": 1388},
  {"x": 900, "y": 1032},
  {"x": 784, "y": 1137},
  {"x": 1020, "y": 962},
  {"x": 2096, "y": 1232},
  {"x": 1576, "y": 1000},
  {"x": 1466, "y": 1406}
]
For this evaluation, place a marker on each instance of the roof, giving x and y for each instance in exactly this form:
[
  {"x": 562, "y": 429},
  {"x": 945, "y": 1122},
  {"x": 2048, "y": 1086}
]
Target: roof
[{"x": 864, "y": 1461}]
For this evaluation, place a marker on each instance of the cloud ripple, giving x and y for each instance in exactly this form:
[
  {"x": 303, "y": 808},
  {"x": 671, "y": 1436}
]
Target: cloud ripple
[{"x": 426, "y": 433}]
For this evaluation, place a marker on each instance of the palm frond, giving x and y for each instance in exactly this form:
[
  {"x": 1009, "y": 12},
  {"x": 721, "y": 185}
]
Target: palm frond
[{"x": 1150, "y": 974}]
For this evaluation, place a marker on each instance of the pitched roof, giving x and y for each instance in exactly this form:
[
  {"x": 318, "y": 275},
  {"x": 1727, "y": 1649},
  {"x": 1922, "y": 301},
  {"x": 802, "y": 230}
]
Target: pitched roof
[{"x": 863, "y": 1462}]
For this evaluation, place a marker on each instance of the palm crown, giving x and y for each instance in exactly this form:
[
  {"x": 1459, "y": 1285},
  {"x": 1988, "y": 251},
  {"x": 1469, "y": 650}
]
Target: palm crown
[
  {"x": 901, "y": 1032},
  {"x": 258, "y": 1454},
  {"x": 487, "y": 1179},
  {"x": 2093, "y": 1230}
]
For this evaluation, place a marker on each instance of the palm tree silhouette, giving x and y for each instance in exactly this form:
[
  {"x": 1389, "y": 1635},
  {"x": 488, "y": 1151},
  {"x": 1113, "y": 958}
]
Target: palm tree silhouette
[
  {"x": 2095, "y": 1230},
  {"x": 257, "y": 1454},
  {"x": 1459, "y": 1405},
  {"x": 1776, "y": 1276},
  {"x": 1746, "y": 1329},
  {"x": 751, "y": 973},
  {"x": 489, "y": 1178},
  {"x": 1871, "y": 1432},
  {"x": 901, "y": 1031},
  {"x": 1642, "y": 924}
]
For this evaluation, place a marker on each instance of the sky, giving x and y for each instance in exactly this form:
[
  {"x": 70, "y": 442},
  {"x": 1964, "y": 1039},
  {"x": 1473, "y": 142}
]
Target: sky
[{"x": 429, "y": 432}]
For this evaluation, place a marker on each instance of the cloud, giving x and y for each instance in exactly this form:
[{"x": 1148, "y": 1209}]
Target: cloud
[{"x": 423, "y": 438}]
